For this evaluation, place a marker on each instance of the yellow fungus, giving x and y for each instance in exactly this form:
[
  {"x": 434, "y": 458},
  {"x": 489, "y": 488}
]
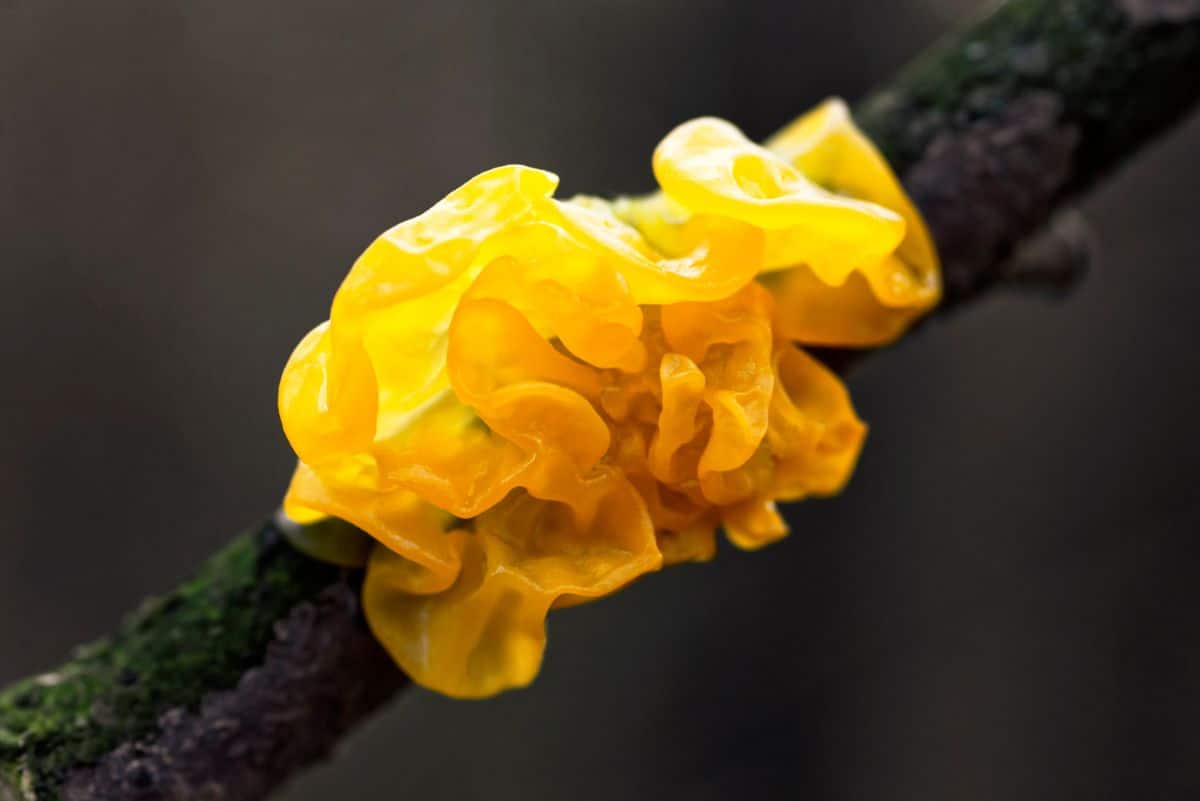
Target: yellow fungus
[
  {"x": 847, "y": 256},
  {"x": 528, "y": 402}
]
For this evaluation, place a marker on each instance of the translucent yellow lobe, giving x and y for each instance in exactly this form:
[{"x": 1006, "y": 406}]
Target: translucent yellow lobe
[
  {"x": 530, "y": 402},
  {"x": 846, "y": 254}
]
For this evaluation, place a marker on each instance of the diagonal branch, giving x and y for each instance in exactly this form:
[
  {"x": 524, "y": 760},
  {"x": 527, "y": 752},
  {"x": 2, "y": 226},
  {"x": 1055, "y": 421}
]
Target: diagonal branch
[{"x": 254, "y": 668}]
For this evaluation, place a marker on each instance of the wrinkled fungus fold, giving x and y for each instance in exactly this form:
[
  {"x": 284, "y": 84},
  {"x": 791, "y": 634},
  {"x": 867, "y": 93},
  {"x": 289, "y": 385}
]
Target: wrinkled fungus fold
[{"x": 530, "y": 402}]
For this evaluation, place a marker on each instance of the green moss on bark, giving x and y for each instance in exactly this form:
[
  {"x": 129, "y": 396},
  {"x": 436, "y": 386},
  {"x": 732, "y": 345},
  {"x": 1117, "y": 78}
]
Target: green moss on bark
[
  {"x": 176, "y": 648},
  {"x": 1122, "y": 69}
]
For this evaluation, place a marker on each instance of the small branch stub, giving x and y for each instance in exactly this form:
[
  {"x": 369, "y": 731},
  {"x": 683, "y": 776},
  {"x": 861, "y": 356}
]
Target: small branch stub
[{"x": 1056, "y": 258}]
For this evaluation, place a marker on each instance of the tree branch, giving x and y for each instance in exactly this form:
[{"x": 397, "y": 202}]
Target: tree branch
[
  {"x": 239, "y": 677},
  {"x": 995, "y": 127}
]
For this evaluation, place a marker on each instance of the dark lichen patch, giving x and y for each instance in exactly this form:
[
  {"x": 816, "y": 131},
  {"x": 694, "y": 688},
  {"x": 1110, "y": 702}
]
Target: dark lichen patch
[{"x": 171, "y": 652}]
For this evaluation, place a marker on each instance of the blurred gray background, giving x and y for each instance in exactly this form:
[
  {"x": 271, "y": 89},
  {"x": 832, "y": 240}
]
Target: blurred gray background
[{"x": 1002, "y": 606}]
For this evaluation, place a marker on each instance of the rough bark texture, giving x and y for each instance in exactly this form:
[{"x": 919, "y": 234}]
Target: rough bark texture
[
  {"x": 997, "y": 125},
  {"x": 321, "y": 674},
  {"x": 219, "y": 690},
  {"x": 251, "y": 670}
]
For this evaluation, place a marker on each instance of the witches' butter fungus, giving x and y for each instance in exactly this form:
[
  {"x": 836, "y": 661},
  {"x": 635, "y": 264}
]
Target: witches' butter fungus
[{"x": 529, "y": 402}]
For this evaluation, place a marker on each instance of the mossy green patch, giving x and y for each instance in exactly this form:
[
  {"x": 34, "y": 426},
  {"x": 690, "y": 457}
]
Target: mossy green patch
[
  {"x": 1090, "y": 54},
  {"x": 176, "y": 648}
]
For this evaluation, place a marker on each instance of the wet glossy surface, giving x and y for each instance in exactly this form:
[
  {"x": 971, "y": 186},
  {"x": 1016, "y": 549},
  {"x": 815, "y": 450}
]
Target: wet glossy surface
[{"x": 531, "y": 402}]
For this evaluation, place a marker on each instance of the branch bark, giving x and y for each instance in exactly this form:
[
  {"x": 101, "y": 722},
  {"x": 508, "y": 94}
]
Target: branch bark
[
  {"x": 254, "y": 668},
  {"x": 998, "y": 125}
]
